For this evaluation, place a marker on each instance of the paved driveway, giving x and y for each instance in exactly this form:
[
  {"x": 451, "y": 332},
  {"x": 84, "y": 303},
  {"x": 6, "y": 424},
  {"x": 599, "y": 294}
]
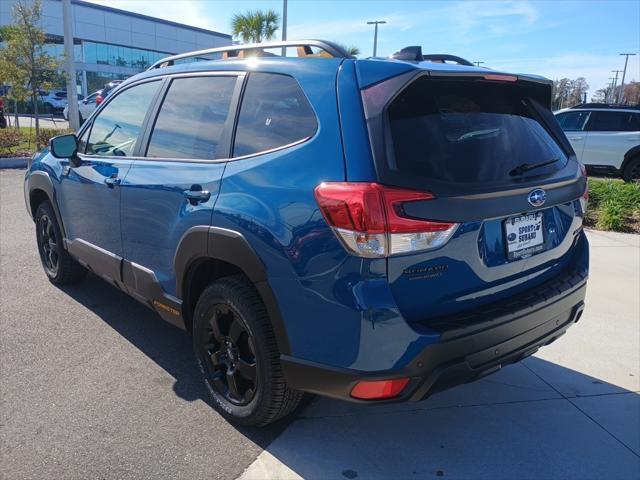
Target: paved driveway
[{"x": 94, "y": 385}]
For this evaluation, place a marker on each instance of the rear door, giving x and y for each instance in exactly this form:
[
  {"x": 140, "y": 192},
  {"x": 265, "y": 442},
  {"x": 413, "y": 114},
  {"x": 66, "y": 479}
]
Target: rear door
[
  {"x": 500, "y": 171},
  {"x": 176, "y": 185},
  {"x": 572, "y": 123},
  {"x": 609, "y": 136}
]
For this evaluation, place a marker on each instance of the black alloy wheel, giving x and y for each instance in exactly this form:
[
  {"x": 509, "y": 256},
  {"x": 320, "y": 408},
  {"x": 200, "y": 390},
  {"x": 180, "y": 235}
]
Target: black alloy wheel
[
  {"x": 58, "y": 264},
  {"x": 48, "y": 245},
  {"x": 231, "y": 358},
  {"x": 238, "y": 355}
]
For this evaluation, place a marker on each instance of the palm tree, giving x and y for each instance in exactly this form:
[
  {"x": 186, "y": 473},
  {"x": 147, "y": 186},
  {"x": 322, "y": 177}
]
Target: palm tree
[
  {"x": 351, "y": 50},
  {"x": 255, "y": 27}
]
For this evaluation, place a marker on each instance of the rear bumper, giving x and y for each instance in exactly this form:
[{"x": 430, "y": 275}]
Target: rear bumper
[{"x": 502, "y": 337}]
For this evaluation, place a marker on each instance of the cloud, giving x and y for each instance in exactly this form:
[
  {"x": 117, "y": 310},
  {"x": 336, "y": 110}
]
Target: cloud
[{"x": 194, "y": 13}]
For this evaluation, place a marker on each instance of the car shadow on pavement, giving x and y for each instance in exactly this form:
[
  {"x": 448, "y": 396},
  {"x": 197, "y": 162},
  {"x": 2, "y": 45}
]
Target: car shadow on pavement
[
  {"x": 536, "y": 417},
  {"x": 168, "y": 346}
]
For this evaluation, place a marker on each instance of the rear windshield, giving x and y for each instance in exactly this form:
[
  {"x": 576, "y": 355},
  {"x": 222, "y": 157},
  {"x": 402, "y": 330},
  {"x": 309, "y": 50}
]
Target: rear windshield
[{"x": 468, "y": 132}]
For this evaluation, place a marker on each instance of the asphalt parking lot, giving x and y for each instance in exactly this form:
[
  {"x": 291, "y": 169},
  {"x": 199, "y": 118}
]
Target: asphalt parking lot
[{"x": 94, "y": 385}]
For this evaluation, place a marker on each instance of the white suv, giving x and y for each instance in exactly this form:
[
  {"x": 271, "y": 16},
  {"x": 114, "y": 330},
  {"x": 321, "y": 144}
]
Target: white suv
[
  {"x": 85, "y": 107},
  {"x": 606, "y": 138}
]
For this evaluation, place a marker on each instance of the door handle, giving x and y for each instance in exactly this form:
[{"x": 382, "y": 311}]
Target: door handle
[
  {"x": 576, "y": 138},
  {"x": 197, "y": 196},
  {"x": 112, "y": 181}
]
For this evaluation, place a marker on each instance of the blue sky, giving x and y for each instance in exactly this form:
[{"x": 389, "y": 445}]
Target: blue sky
[{"x": 552, "y": 38}]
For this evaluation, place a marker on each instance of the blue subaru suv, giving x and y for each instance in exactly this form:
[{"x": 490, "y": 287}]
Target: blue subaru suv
[{"x": 372, "y": 230}]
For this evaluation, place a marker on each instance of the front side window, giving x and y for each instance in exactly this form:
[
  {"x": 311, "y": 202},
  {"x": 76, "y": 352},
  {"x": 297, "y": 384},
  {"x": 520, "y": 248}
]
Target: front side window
[
  {"x": 274, "y": 113},
  {"x": 572, "y": 121},
  {"x": 192, "y": 118},
  {"x": 613, "y": 122},
  {"x": 116, "y": 129}
]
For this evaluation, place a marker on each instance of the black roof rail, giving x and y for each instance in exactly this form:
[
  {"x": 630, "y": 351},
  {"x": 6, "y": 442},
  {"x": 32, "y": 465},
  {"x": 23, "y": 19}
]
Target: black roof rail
[
  {"x": 607, "y": 105},
  {"x": 414, "y": 54},
  {"x": 333, "y": 49},
  {"x": 445, "y": 57}
]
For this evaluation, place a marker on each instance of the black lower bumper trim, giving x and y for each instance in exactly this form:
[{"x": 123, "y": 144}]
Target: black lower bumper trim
[{"x": 451, "y": 362}]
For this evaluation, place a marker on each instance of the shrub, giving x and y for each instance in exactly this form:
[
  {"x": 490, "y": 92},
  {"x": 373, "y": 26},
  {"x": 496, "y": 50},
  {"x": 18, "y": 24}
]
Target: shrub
[
  {"x": 10, "y": 138},
  {"x": 47, "y": 133},
  {"x": 613, "y": 204}
]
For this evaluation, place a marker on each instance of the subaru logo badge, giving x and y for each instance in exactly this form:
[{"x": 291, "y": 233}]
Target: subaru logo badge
[{"x": 537, "y": 197}]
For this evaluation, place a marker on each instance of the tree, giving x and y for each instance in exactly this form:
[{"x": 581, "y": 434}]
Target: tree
[
  {"x": 351, "y": 49},
  {"x": 567, "y": 92},
  {"x": 23, "y": 62},
  {"x": 255, "y": 26}
]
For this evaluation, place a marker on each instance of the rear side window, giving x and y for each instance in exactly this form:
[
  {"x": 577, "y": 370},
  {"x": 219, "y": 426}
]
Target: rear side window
[
  {"x": 614, "y": 122},
  {"x": 116, "y": 128},
  {"x": 192, "y": 118},
  {"x": 572, "y": 121},
  {"x": 274, "y": 113},
  {"x": 467, "y": 132}
]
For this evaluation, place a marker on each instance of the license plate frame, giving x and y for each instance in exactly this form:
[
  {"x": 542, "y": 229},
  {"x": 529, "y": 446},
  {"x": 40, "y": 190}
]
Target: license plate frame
[{"x": 517, "y": 227}]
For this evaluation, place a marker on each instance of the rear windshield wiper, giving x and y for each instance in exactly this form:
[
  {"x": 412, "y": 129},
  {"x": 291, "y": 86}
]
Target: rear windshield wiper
[{"x": 525, "y": 167}]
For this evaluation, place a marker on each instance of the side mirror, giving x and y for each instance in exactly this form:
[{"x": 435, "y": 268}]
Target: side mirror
[{"x": 64, "y": 146}]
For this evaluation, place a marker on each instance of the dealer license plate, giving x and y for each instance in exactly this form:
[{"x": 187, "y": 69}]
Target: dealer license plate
[{"x": 524, "y": 235}]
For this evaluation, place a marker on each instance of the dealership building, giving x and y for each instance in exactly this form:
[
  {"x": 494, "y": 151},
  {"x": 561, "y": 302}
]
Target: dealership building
[{"x": 112, "y": 44}]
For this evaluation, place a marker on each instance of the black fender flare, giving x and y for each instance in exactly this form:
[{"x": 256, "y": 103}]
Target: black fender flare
[
  {"x": 632, "y": 153},
  {"x": 205, "y": 242},
  {"x": 39, "y": 180}
]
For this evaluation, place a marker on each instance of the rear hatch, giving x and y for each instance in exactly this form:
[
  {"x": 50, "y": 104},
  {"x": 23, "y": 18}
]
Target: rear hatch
[{"x": 501, "y": 174}]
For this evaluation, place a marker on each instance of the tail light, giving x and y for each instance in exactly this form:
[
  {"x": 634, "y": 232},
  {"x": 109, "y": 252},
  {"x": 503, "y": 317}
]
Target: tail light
[
  {"x": 99, "y": 99},
  {"x": 585, "y": 195},
  {"x": 370, "y": 220}
]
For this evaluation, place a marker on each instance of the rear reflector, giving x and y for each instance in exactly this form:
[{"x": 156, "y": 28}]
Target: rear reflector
[
  {"x": 371, "y": 222},
  {"x": 379, "y": 389}
]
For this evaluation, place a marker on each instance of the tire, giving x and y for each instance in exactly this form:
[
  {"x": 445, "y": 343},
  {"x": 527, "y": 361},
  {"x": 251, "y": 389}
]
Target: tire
[
  {"x": 58, "y": 265},
  {"x": 631, "y": 172},
  {"x": 234, "y": 342},
  {"x": 48, "y": 108}
]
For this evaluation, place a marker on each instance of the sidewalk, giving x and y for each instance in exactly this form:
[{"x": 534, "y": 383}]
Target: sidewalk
[{"x": 571, "y": 411}]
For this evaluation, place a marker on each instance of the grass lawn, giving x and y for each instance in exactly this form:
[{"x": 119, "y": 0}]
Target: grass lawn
[{"x": 613, "y": 205}]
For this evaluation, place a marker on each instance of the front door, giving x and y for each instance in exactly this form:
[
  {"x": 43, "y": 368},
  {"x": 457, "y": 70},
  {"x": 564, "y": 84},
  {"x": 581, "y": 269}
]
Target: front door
[
  {"x": 572, "y": 122},
  {"x": 175, "y": 187},
  {"x": 91, "y": 189}
]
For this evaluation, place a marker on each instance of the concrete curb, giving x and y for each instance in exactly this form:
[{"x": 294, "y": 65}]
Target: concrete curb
[{"x": 14, "y": 162}]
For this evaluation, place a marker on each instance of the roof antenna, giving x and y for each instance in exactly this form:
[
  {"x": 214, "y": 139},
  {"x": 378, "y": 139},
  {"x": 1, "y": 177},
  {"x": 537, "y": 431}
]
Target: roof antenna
[{"x": 413, "y": 53}]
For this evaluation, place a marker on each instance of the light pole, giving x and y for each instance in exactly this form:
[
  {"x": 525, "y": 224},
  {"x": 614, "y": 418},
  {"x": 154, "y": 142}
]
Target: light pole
[
  {"x": 624, "y": 73},
  {"x": 478, "y": 63},
  {"x": 615, "y": 84},
  {"x": 284, "y": 26},
  {"x": 375, "y": 34},
  {"x": 610, "y": 93},
  {"x": 70, "y": 67}
]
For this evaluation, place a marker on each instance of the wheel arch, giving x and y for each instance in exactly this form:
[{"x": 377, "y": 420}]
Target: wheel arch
[
  {"x": 206, "y": 254},
  {"x": 40, "y": 188},
  {"x": 630, "y": 155}
]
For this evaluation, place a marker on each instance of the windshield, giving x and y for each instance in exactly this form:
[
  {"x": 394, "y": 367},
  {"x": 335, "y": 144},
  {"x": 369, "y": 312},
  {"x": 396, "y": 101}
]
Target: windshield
[{"x": 468, "y": 132}]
